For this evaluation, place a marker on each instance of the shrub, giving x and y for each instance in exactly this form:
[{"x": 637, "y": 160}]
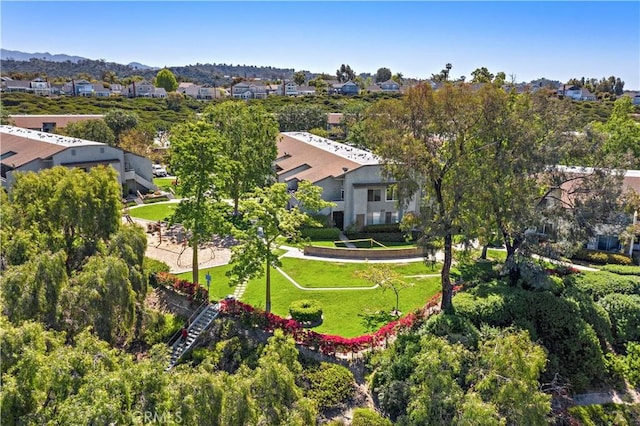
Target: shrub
[
  {"x": 306, "y": 310},
  {"x": 158, "y": 327},
  {"x": 602, "y": 257},
  {"x": 632, "y": 364},
  {"x": 152, "y": 267},
  {"x": 624, "y": 312},
  {"x": 622, "y": 269},
  {"x": 328, "y": 384},
  {"x": 455, "y": 329},
  {"x": 600, "y": 284},
  {"x": 155, "y": 200},
  {"x": 320, "y": 234},
  {"x": 607, "y": 414},
  {"x": 368, "y": 417},
  {"x": 382, "y": 228}
]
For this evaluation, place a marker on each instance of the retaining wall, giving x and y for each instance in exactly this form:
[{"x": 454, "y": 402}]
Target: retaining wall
[{"x": 372, "y": 254}]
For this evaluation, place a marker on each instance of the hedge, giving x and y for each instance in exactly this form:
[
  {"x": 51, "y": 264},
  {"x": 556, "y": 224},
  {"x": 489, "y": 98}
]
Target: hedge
[
  {"x": 602, "y": 257},
  {"x": 321, "y": 234},
  {"x": 624, "y": 312},
  {"x": 622, "y": 269},
  {"x": 155, "y": 200},
  {"x": 306, "y": 310},
  {"x": 600, "y": 284},
  {"x": 368, "y": 417}
]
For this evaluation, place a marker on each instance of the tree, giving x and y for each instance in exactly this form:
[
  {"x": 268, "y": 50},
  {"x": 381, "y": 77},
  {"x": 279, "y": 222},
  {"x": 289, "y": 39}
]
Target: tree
[
  {"x": 167, "y": 80},
  {"x": 91, "y": 130},
  {"x": 622, "y": 131},
  {"x": 398, "y": 78},
  {"x": 345, "y": 73},
  {"x": 299, "y": 78},
  {"x": 199, "y": 165},
  {"x": 138, "y": 140},
  {"x": 175, "y": 101},
  {"x": 382, "y": 75},
  {"x": 120, "y": 121},
  {"x": 268, "y": 216},
  {"x": 500, "y": 79},
  {"x": 481, "y": 75},
  {"x": 293, "y": 118},
  {"x": 248, "y": 135},
  {"x": 386, "y": 278},
  {"x": 69, "y": 209},
  {"x": 423, "y": 138}
]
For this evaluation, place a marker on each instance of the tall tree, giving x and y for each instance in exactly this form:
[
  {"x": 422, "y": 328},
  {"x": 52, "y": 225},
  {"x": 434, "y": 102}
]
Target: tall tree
[
  {"x": 481, "y": 75},
  {"x": 383, "y": 74},
  {"x": 197, "y": 159},
  {"x": 293, "y": 118},
  {"x": 299, "y": 78},
  {"x": 167, "y": 80},
  {"x": 424, "y": 138},
  {"x": 91, "y": 130},
  {"x": 345, "y": 73},
  {"x": 269, "y": 215},
  {"x": 622, "y": 131},
  {"x": 120, "y": 121},
  {"x": 248, "y": 135}
]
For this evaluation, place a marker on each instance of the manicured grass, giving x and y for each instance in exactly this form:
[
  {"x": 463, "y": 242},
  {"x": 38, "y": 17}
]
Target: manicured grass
[
  {"x": 157, "y": 211},
  {"x": 317, "y": 274},
  {"x": 342, "y": 309},
  {"x": 220, "y": 287}
]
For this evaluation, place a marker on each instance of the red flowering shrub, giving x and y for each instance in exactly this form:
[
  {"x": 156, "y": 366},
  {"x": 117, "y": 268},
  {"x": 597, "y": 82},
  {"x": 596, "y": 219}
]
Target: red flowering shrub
[{"x": 191, "y": 290}]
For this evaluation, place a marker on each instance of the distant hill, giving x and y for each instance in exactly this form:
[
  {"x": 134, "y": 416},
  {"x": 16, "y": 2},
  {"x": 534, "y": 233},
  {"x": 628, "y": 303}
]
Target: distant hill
[
  {"x": 138, "y": 65},
  {"x": 23, "y": 56}
]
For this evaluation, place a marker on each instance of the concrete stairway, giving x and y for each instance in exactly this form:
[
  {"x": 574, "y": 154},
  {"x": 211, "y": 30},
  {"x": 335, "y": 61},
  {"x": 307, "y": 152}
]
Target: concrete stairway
[{"x": 202, "y": 321}]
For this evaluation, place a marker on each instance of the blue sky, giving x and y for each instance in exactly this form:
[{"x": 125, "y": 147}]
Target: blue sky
[{"x": 556, "y": 40}]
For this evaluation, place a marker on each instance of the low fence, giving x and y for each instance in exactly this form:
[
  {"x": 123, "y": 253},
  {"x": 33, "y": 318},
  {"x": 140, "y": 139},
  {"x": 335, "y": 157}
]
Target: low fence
[{"x": 357, "y": 253}]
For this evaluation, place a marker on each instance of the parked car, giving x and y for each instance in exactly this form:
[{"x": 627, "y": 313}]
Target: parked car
[{"x": 159, "y": 171}]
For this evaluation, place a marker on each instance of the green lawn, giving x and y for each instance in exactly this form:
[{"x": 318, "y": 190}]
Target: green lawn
[
  {"x": 342, "y": 308},
  {"x": 317, "y": 274},
  {"x": 157, "y": 211}
]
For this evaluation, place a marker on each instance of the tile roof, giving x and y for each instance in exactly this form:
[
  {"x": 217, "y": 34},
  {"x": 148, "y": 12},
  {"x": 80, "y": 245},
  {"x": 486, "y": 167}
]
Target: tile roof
[{"x": 318, "y": 158}]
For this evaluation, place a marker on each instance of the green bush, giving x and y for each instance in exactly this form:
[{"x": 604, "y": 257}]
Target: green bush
[
  {"x": 599, "y": 284},
  {"x": 602, "y": 257},
  {"x": 368, "y": 417},
  {"x": 632, "y": 364},
  {"x": 556, "y": 322},
  {"x": 454, "y": 328},
  {"x": 155, "y": 200},
  {"x": 622, "y": 269},
  {"x": 158, "y": 327},
  {"x": 607, "y": 414},
  {"x": 328, "y": 384},
  {"x": 321, "y": 234},
  {"x": 624, "y": 312},
  {"x": 152, "y": 267},
  {"x": 382, "y": 228},
  {"x": 306, "y": 310}
]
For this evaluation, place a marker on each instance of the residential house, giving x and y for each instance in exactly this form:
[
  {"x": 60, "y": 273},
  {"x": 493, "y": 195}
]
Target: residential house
[
  {"x": 159, "y": 92},
  {"x": 116, "y": 89},
  {"x": 389, "y": 86},
  {"x": 28, "y": 150},
  {"x": 141, "y": 89},
  {"x": 189, "y": 89},
  {"x": 81, "y": 88},
  {"x": 576, "y": 93},
  {"x": 37, "y": 86},
  {"x": 290, "y": 88},
  {"x": 607, "y": 235},
  {"x": 348, "y": 89},
  {"x": 49, "y": 122},
  {"x": 100, "y": 91},
  {"x": 350, "y": 177},
  {"x": 306, "y": 90},
  {"x": 249, "y": 90},
  {"x": 636, "y": 99}
]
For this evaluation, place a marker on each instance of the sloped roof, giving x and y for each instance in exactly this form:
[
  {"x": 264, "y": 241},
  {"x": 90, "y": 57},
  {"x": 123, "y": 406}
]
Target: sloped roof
[
  {"x": 61, "y": 120},
  {"x": 318, "y": 158}
]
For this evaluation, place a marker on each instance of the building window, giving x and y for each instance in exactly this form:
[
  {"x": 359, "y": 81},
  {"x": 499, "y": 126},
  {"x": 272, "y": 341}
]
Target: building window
[
  {"x": 388, "y": 217},
  {"x": 342, "y": 194},
  {"x": 73, "y": 152},
  {"x": 392, "y": 193},
  {"x": 608, "y": 243},
  {"x": 101, "y": 150},
  {"x": 374, "y": 195}
]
